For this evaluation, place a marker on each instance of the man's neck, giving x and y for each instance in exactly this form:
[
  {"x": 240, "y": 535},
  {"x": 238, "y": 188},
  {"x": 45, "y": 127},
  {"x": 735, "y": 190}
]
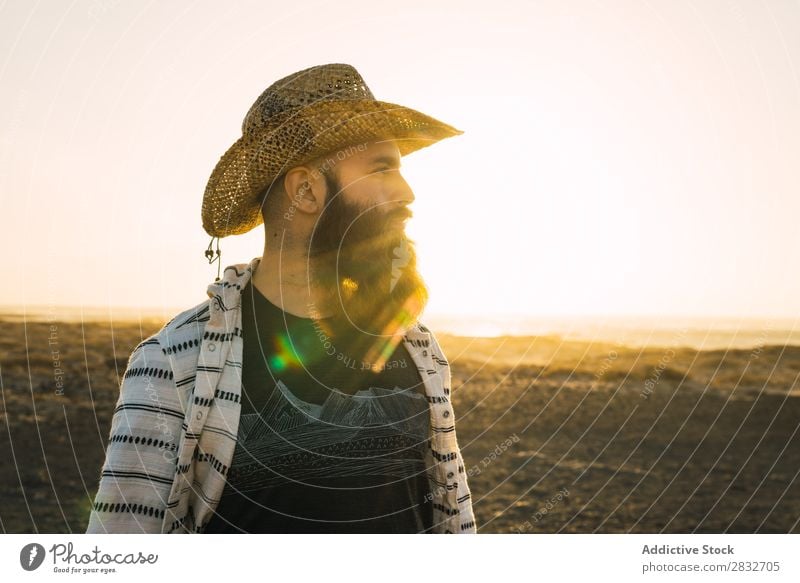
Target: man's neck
[{"x": 282, "y": 277}]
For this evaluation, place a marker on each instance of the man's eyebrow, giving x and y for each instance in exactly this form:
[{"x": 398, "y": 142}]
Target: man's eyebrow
[{"x": 383, "y": 159}]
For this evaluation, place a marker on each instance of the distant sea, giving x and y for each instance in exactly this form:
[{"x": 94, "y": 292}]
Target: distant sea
[{"x": 698, "y": 332}]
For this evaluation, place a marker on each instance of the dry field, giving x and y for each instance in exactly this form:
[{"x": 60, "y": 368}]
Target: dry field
[{"x": 557, "y": 437}]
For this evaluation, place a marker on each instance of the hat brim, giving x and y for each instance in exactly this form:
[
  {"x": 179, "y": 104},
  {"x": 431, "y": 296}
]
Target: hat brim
[{"x": 230, "y": 202}]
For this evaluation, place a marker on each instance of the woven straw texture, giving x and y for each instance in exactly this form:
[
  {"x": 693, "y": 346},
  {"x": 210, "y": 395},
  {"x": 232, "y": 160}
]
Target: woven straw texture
[{"x": 299, "y": 118}]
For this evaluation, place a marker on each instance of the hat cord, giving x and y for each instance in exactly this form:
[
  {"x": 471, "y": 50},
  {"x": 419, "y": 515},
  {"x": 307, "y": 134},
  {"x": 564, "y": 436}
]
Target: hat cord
[{"x": 210, "y": 255}]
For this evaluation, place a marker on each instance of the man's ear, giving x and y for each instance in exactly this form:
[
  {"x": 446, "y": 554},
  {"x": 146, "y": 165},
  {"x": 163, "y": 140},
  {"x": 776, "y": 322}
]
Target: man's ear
[{"x": 305, "y": 189}]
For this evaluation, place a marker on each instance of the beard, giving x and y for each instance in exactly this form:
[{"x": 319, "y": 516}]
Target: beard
[{"x": 365, "y": 267}]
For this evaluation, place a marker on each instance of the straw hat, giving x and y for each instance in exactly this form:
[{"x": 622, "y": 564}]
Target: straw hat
[{"x": 309, "y": 113}]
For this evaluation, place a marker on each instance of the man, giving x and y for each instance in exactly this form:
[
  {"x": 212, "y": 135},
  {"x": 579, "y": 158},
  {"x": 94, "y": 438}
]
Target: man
[{"x": 304, "y": 395}]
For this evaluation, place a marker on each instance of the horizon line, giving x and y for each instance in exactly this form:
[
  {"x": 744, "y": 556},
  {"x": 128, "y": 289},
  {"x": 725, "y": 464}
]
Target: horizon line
[{"x": 43, "y": 309}]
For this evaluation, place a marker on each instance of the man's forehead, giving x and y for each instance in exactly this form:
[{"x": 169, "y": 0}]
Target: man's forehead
[{"x": 384, "y": 150}]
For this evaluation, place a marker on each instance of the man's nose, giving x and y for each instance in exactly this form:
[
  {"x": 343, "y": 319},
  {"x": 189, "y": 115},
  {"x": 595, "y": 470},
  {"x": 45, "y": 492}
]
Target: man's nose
[{"x": 403, "y": 193}]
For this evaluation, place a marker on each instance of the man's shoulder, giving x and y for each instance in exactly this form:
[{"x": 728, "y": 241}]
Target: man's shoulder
[
  {"x": 191, "y": 318},
  {"x": 159, "y": 362},
  {"x": 185, "y": 327},
  {"x": 181, "y": 333}
]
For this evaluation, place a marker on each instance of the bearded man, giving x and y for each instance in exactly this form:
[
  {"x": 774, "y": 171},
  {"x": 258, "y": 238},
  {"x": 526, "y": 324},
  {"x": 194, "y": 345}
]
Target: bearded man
[{"x": 304, "y": 395}]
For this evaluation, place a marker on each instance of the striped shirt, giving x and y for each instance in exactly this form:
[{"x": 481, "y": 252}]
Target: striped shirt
[{"x": 175, "y": 424}]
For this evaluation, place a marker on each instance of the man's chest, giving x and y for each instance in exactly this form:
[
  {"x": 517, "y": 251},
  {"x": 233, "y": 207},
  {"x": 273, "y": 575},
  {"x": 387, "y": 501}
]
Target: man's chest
[{"x": 315, "y": 370}]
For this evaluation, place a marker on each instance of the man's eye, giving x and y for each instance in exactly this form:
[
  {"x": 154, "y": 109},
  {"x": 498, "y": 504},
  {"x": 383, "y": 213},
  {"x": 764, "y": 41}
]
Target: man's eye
[{"x": 383, "y": 169}]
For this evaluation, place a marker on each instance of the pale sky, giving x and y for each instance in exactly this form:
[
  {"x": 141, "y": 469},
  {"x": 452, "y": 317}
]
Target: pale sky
[{"x": 619, "y": 158}]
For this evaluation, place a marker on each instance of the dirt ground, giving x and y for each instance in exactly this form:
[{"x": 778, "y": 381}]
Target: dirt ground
[{"x": 557, "y": 437}]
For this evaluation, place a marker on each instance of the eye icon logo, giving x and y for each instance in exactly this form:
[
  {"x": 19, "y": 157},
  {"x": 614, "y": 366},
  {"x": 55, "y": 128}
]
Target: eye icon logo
[{"x": 31, "y": 556}]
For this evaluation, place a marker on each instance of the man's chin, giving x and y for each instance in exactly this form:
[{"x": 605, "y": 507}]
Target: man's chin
[
  {"x": 378, "y": 293},
  {"x": 370, "y": 308}
]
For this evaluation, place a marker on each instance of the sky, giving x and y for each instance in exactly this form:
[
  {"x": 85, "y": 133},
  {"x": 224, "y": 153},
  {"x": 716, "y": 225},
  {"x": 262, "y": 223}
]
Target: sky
[{"x": 618, "y": 158}]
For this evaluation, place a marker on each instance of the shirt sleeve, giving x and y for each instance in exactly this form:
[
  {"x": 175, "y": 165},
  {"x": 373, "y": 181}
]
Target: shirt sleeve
[{"x": 141, "y": 452}]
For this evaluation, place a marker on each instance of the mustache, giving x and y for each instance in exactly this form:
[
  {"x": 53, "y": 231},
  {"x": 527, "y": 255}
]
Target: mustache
[
  {"x": 372, "y": 229},
  {"x": 403, "y": 213}
]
